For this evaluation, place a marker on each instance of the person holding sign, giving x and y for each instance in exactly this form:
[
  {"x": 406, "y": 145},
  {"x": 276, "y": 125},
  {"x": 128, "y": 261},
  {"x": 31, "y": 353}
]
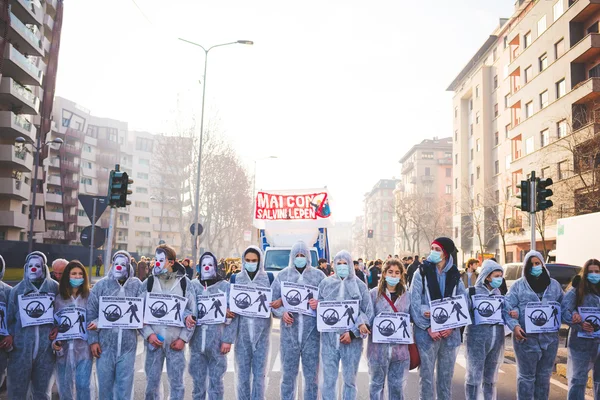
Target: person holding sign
[
  {"x": 31, "y": 363},
  {"x": 345, "y": 346},
  {"x": 74, "y": 360},
  {"x": 299, "y": 335},
  {"x": 437, "y": 278},
  {"x": 389, "y": 361},
  {"x": 252, "y": 334},
  {"x": 583, "y": 351},
  {"x": 5, "y": 338},
  {"x": 114, "y": 348},
  {"x": 211, "y": 343},
  {"x": 484, "y": 342},
  {"x": 166, "y": 341},
  {"x": 535, "y": 352}
]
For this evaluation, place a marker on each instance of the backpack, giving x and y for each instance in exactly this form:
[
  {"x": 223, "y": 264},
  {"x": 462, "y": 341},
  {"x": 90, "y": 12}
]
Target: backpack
[
  {"x": 269, "y": 274},
  {"x": 182, "y": 283}
]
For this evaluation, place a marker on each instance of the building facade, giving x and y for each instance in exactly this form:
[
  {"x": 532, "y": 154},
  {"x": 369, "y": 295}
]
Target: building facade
[
  {"x": 379, "y": 217},
  {"x": 423, "y": 196},
  {"x": 527, "y": 101}
]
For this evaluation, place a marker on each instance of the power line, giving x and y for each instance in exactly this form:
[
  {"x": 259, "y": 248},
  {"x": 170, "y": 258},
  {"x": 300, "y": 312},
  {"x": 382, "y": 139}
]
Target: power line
[{"x": 142, "y": 12}]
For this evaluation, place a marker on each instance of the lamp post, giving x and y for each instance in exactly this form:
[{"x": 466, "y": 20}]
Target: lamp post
[
  {"x": 197, "y": 195},
  {"x": 254, "y": 191},
  {"x": 38, "y": 148},
  {"x": 162, "y": 200}
]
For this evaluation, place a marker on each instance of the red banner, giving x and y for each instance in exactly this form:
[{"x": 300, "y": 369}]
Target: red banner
[{"x": 274, "y": 207}]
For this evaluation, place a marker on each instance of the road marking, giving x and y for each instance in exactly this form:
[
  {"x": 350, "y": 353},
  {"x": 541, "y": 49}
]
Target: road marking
[{"x": 277, "y": 364}]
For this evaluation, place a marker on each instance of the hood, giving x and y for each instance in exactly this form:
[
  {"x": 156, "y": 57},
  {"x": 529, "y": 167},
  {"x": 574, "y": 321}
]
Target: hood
[
  {"x": 487, "y": 268},
  {"x": 215, "y": 261},
  {"x": 129, "y": 266},
  {"x": 3, "y": 268},
  {"x": 344, "y": 255},
  {"x": 537, "y": 254},
  {"x": 299, "y": 248},
  {"x": 38, "y": 254},
  {"x": 261, "y": 258}
]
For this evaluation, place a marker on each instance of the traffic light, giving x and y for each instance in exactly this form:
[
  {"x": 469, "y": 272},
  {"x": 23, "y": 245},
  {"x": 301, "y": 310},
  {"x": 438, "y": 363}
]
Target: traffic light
[
  {"x": 370, "y": 234},
  {"x": 525, "y": 197},
  {"x": 117, "y": 189},
  {"x": 543, "y": 194}
]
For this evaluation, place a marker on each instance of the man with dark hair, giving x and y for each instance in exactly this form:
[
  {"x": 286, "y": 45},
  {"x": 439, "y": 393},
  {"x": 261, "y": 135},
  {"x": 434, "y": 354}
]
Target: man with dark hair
[
  {"x": 375, "y": 273},
  {"x": 326, "y": 269},
  {"x": 412, "y": 268},
  {"x": 358, "y": 272}
]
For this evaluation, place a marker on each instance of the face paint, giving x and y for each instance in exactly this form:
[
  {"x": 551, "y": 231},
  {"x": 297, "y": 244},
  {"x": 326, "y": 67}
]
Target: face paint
[
  {"x": 120, "y": 269},
  {"x": 160, "y": 264},
  {"x": 35, "y": 268},
  {"x": 207, "y": 268}
]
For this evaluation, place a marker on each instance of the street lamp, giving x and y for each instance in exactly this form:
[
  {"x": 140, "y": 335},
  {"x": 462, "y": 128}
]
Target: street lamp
[
  {"x": 38, "y": 148},
  {"x": 162, "y": 200},
  {"x": 197, "y": 196}
]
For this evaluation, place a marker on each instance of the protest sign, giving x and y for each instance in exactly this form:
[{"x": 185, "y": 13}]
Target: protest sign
[
  {"x": 120, "y": 312},
  {"x": 164, "y": 309},
  {"x": 336, "y": 316},
  {"x": 250, "y": 301},
  {"x": 542, "y": 317},
  {"x": 211, "y": 308},
  {"x": 487, "y": 310},
  {"x": 449, "y": 313},
  {"x": 36, "y": 309},
  {"x": 392, "y": 328},
  {"x": 296, "y": 296}
]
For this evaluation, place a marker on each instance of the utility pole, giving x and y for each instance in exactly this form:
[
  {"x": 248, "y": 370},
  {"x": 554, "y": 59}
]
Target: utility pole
[
  {"x": 532, "y": 207},
  {"x": 92, "y": 240}
]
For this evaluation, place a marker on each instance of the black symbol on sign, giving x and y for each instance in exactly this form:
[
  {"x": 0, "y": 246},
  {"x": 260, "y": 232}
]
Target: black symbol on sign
[
  {"x": 112, "y": 312},
  {"x": 594, "y": 321},
  {"x": 386, "y": 328},
  {"x": 202, "y": 311},
  {"x": 538, "y": 318},
  {"x": 243, "y": 301},
  {"x": 35, "y": 309},
  {"x": 440, "y": 315},
  {"x": 158, "y": 309},
  {"x": 330, "y": 317},
  {"x": 293, "y": 297},
  {"x": 485, "y": 309},
  {"x": 65, "y": 325}
]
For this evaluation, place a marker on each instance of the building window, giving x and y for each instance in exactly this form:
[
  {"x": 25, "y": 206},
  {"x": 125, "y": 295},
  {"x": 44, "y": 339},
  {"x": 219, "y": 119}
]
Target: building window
[
  {"x": 471, "y": 154},
  {"x": 477, "y": 91},
  {"x": 142, "y": 175},
  {"x": 142, "y": 234},
  {"x": 477, "y": 115},
  {"x": 448, "y": 172},
  {"x": 505, "y": 41},
  {"x": 456, "y": 159},
  {"x": 478, "y": 199},
  {"x": 594, "y": 72},
  {"x": 593, "y": 28},
  {"x": 545, "y": 172},
  {"x": 529, "y": 109},
  {"x": 477, "y": 145},
  {"x": 144, "y": 161},
  {"x": 558, "y": 9},
  {"x": 478, "y": 172},
  {"x": 143, "y": 144},
  {"x": 494, "y": 53},
  {"x": 427, "y": 155},
  {"x": 140, "y": 189},
  {"x": 559, "y": 48},
  {"x": 141, "y": 204},
  {"x": 527, "y": 39},
  {"x": 507, "y": 162},
  {"x": 529, "y": 145},
  {"x": 455, "y": 183},
  {"x": 496, "y": 138},
  {"x": 456, "y": 136},
  {"x": 506, "y": 130},
  {"x": 471, "y": 104},
  {"x": 495, "y": 81},
  {"x": 528, "y": 74},
  {"x": 145, "y": 220},
  {"x": 545, "y": 137},
  {"x": 87, "y": 164},
  {"x": 456, "y": 232},
  {"x": 472, "y": 180},
  {"x": 506, "y": 101},
  {"x": 561, "y": 88},
  {"x": 496, "y": 110},
  {"x": 496, "y": 167},
  {"x": 561, "y": 128},
  {"x": 427, "y": 171},
  {"x": 562, "y": 170},
  {"x": 85, "y": 181},
  {"x": 455, "y": 112},
  {"x": 87, "y": 148},
  {"x": 81, "y": 213},
  {"x": 448, "y": 189},
  {"x": 541, "y": 25},
  {"x": 544, "y": 99},
  {"x": 543, "y": 62}
]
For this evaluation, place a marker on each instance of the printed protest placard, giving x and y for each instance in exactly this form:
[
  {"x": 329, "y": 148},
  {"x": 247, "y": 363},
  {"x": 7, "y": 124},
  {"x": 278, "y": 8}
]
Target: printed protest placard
[
  {"x": 590, "y": 315},
  {"x": 542, "y": 317},
  {"x": 164, "y": 309},
  {"x": 487, "y": 310},
  {"x": 36, "y": 309},
  {"x": 336, "y": 316},
  {"x": 392, "y": 328},
  {"x": 120, "y": 312},
  {"x": 448, "y": 313},
  {"x": 250, "y": 301},
  {"x": 211, "y": 308},
  {"x": 296, "y": 296},
  {"x": 3, "y": 325},
  {"x": 71, "y": 323}
]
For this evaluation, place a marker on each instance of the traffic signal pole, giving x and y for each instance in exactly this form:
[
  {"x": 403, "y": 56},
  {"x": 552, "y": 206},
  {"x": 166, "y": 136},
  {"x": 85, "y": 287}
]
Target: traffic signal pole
[
  {"x": 92, "y": 241},
  {"x": 532, "y": 207}
]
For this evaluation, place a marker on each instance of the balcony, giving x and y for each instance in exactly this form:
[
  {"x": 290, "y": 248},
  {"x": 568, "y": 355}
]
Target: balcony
[
  {"x": 587, "y": 49},
  {"x": 70, "y": 183},
  {"x": 48, "y": 22},
  {"x": 413, "y": 180},
  {"x": 71, "y": 166},
  {"x": 74, "y": 133},
  {"x": 10, "y": 187},
  {"x": 107, "y": 159},
  {"x": 14, "y": 159},
  {"x": 46, "y": 45},
  {"x": 39, "y": 225},
  {"x": 13, "y": 126},
  {"x": 407, "y": 166},
  {"x": 70, "y": 201},
  {"x": 586, "y": 91},
  {"x": 165, "y": 228},
  {"x": 13, "y": 219},
  {"x": 54, "y": 180},
  {"x": 143, "y": 242},
  {"x": 166, "y": 213},
  {"x": 51, "y": 6},
  {"x": 105, "y": 144},
  {"x": 427, "y": 178},
  {"x": 23, "y": 38},
  {"x": 70, "y": 218},
  {"x": 54, "y": 198},
  {"x": 122, "y": 223},
  {"x": 27, "y": 11},
  {"x": 71, "y": 236},
  {"x": 445, "y": 161},
  {"x": 54, "y": 216},
  {"x": 122, "y": 239},
  {"x": 20, "y": 97},
  {"x": 17, "y": 66},
  {"x": 75, "y": 150}
]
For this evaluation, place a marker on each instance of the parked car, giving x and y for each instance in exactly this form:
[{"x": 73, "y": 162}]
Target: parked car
[{"x": 563, "y": 273}]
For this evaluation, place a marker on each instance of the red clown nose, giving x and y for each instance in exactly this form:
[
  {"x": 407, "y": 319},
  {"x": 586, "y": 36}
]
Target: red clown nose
[
  {"x": 34, "y": 269},
  {"x": 118, "y": 268},
  {"x": 158, "y": 264},
  {"x": 206, "y": 268}
]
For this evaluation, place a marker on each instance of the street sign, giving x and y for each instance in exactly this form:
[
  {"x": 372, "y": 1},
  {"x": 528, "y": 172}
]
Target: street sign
[
  {"x": 247, "y": 236},
  {"x": 87, "y": 201},
  {"x": 200, "y": 229},
  {"x": 86, "y": 236}
]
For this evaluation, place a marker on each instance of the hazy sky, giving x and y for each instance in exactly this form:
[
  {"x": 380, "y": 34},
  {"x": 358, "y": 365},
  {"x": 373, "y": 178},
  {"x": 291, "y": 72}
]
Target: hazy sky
[{"x": 338, "y": 90}]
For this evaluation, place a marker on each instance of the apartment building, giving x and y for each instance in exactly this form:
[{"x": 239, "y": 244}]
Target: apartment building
[
  {"x": 527, "y": 101},
  {"x": 379, "y": 216},
  {"x": 29, "y": 48},
  {"x": 423, "y": 196}
]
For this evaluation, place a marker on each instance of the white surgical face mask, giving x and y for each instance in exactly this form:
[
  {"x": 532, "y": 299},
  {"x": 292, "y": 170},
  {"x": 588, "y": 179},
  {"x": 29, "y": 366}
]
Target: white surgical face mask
[
  {"x": 35, "y": 268},
  {"x": 119, "y": 267},
  {"x": 207, "y": 269}
]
